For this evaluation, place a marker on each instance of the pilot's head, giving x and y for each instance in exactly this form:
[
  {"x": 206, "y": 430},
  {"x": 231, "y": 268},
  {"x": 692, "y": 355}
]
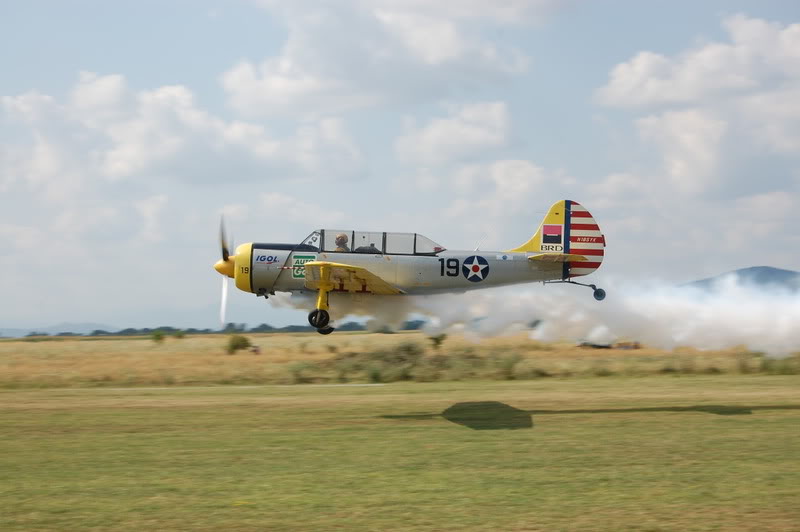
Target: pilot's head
[{"x": 341, "y": 239}]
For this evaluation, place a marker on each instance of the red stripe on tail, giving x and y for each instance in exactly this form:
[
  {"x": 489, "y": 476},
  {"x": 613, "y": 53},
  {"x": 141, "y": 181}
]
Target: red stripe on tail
[
  {"x": 574, "y": 251},
  {"x": 593, "y": 265}
]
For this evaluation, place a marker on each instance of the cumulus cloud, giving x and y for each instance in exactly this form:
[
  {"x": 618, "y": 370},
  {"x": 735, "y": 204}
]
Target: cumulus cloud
[
  {"x": 508, "y": 12},
  {"x": 108, "y": 131},
  {"x": 501, "y": 188},
  {"x": 617, "y": 189},
  {"x": 758, "y": 51},
  {"x": 470, "y": 131},
  {"x": 716, "y": 116},
  {"x": 366, "y": 53},
  {"x": 93, "y": 174},
  {"x": 761, "y": 216},
  {"x": 150, "y": 209},
  {"x": 748, "y": 87},
  {"x": 708, "y": 178},
  {"x": 689, "y": 141},
  {"x": 774, "y": 116},
  {"x": 285, "y": 206}
]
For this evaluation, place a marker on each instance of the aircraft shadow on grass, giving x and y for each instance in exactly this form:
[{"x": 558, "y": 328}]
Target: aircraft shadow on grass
[{"x": 494, "y": 415}]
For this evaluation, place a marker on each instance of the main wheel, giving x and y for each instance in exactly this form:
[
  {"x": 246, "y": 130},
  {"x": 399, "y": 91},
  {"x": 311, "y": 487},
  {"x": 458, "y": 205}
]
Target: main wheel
[
  {"x": 326, "y": 330},
  {"x": 599, "y": 294},
  {"x": 319, "y": 318}
]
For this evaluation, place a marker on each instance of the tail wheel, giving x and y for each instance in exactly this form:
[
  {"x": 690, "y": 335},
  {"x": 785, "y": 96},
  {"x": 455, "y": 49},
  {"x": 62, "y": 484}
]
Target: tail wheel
[
  {"x": 599, "y": 294},
  {"x": 319, "y": 318},
  {"x": 326, "y": 330}
]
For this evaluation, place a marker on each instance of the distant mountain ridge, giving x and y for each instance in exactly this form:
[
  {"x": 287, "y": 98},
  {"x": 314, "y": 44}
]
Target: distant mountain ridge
[{"x": 764, "y": 276}]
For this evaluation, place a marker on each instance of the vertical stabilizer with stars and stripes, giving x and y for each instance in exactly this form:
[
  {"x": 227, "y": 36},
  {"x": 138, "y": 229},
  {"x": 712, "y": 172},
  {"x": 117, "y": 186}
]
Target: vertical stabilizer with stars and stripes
[{"x": 570, "y": 229}]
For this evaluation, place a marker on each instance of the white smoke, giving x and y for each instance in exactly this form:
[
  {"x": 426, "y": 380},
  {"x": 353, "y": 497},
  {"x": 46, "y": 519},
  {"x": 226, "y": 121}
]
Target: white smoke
[{"x": 659, "y": 315}]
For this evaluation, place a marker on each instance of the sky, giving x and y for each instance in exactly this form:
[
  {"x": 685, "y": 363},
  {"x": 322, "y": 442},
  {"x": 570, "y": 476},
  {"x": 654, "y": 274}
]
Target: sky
[{"x": 128, "y": 128}]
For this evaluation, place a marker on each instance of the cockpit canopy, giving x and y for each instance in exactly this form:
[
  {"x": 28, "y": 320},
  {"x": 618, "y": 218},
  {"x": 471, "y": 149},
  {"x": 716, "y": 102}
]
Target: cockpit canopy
[{"x": 349, "y": 241}]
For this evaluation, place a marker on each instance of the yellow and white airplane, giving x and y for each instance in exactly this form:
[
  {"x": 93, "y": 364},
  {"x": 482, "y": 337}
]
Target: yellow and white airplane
[{"x": 568, "y": 244}]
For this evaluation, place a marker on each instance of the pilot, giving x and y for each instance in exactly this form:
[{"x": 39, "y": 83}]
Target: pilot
[{"x": 341, "y": 243}]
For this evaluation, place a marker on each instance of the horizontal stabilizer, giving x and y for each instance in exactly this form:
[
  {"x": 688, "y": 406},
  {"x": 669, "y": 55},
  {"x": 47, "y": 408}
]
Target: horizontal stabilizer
[{"x": 558, "y": 257}]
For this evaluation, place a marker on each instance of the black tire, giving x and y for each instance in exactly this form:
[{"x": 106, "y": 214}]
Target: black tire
[
  {"x": 599, "y": 294},
  {"x": 319, "y": 318},
  {"x": 326, "y": 330}
]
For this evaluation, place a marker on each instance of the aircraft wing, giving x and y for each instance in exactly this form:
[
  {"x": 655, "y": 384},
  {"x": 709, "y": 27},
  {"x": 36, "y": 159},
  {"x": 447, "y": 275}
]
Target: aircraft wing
[
  {"x": 348, "y": 278},
  {"x": 557, "y": 257}
]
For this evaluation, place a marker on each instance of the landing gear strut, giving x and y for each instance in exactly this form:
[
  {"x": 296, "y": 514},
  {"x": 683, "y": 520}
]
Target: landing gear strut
[
  {"x": 598, "y": 293},
  {"x": 320, "y": 318}
]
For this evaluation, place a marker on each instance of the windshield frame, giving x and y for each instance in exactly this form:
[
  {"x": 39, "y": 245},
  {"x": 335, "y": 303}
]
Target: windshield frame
[{"x": 323, "y": 237}]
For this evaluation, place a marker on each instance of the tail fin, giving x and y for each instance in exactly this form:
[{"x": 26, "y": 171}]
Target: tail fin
[{"x": 570, "y": 229}]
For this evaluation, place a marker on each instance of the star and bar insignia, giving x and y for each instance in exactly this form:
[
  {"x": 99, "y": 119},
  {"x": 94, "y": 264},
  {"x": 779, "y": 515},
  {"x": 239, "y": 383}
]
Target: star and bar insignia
[{"x": 475, "y": 268}]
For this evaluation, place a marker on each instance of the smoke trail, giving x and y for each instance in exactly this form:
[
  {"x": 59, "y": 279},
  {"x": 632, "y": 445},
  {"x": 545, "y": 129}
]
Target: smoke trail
[{"x": 656, "y": 314}]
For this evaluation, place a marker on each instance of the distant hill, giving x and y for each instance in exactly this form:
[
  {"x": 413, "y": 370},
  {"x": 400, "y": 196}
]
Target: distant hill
[{"x": 764, "y": 276}]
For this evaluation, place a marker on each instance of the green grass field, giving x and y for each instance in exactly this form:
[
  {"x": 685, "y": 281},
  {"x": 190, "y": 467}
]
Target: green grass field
[{"x": 697, "y": 452}]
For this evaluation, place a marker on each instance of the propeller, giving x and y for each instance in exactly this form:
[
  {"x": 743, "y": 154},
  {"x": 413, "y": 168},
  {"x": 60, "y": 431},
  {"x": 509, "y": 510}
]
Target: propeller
[
  {"x": 223, "y": 241},
  {"x": 223, "y": 304},
  {"x": 225, "y": 267}
]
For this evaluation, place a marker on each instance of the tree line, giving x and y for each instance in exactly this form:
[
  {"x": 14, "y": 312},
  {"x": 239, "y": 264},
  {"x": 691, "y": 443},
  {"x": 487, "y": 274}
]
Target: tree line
[{"x": 230, "y": 328}]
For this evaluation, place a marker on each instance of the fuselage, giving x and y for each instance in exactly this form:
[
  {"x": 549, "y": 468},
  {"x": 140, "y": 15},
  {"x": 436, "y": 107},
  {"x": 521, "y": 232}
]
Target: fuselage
[{"x": 281, "y": 270}]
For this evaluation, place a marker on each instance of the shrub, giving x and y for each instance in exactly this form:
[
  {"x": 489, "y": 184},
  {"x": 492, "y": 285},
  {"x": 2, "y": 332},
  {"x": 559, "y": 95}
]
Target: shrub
[
  {"x": 426, "y": 373},
  {"x": 743, "y": 362},
  {"x": 375, "y": 373},
  {"x": 459, "y": 369},
  {"x": 179, "y": 334},
  {"x": 505, "y": 365},
  {"x": 530, "y": 369},
  {"x": 688, "y": 366},
  {"x": 396, "y": 373},
  {"x": 157, "y": 336},
  {"x": 405, "y": 353},
  {"x": 344, "y": 367},
  {"x": 297, "y": 369},
  {"x": 780, "y": 366},
  {"x": 437, "y": 340},
  {"x": 602, "y": 371},
  {"x": 237, "y": 342},
  {"x": 439, "y": 361}
]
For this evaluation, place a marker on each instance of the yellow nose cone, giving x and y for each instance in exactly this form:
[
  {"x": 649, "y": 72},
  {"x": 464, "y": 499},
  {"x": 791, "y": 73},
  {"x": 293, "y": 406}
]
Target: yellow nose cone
[{"x": 225, "y": 267}]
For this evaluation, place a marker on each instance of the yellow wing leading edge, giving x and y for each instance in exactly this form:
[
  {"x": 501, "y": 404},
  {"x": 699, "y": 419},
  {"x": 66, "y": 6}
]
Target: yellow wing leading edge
[{"x": 334, "y": 276}]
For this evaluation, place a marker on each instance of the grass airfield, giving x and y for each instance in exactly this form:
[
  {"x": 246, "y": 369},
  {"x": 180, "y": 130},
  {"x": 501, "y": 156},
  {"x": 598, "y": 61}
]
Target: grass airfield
[{"x": 714, "y": 452}]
